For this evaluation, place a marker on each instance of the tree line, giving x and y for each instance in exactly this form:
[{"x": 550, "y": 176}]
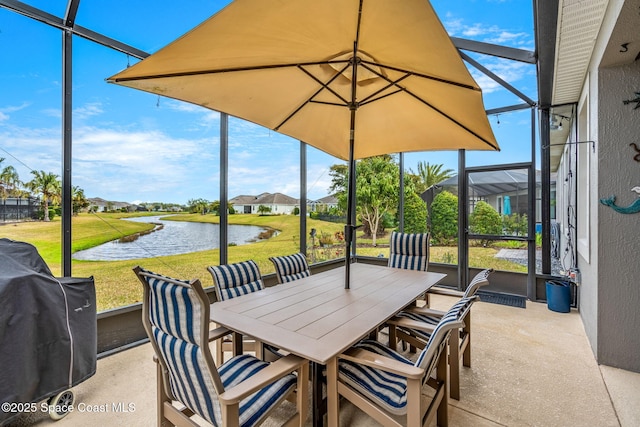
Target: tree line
[
  {"x": 378, "y": 189},
  {"x": 44, "y": 185}
]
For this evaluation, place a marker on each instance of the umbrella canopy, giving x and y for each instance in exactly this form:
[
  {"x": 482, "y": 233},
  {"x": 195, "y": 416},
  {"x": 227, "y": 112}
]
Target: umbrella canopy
[
  {"x": 353, "y": 78},
  {"x": 286, "y": 65}
]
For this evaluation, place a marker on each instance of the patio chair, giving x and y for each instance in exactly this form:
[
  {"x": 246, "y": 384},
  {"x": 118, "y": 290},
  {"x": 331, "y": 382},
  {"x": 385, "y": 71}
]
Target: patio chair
[
  {"x": 388, "y": 386},
  {"x": 415, "y": 326},
  {"x": 230, "y": 281},
  {"x": 409, "y": 251},
  {"x": 290, "y": 267},
  {"x": 241, "y": 392},
  {"x": 480, "y": 279}
]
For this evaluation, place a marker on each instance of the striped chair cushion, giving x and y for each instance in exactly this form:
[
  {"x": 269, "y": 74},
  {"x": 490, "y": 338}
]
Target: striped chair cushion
[
  {"x": 386, "y": 389},
  {"x": 254, "y": 408},
  {"x": 234, "y": 280},
  {"x": 479, "y": 280},
  {"x": 175, "y": 308},
  {"x": 409, "y": 251},
  {"x": 455, "y": 314},
  {"x": 189, "y": 377},
  {"x": 291, "y": 267},
  {"x": 175, "y": 313}
]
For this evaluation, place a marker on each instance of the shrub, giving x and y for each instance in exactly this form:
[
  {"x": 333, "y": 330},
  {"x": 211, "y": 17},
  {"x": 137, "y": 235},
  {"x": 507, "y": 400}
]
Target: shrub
[
  {"x": 485, "y": 220},
  {"x": 515, "y": 224},
  {"x": 415, "y": 213},
  {"x": 444, "y": 219},
  {"x": 325, "y": 239}
]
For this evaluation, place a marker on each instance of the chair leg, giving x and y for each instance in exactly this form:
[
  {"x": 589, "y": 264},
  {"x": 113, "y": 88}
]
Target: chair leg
[
  {"x": 454, "y": 364},
  {"x": 161, "y": 397},
  {"x": 442, "y": 377},
  {"x": 220, "y": 351},
  {"x": 393, "y": 339},
  {"x": 302, "y": 393},
  {"x": 237, "y": 344},
  {"x": 414, "y": 413},
  {"x": 231, "y": 415},
  {"x": 466, "y": 355}
]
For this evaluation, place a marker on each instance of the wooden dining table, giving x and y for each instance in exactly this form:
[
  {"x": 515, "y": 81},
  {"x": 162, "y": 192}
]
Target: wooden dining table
[{"x": 317, "y": 318}]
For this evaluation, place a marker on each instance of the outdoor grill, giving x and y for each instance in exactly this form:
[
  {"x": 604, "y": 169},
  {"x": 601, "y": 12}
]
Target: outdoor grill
[{"x": 48, "y": 336}]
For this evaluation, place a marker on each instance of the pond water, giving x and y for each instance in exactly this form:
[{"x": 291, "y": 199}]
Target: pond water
[{"x": 176, "y": 237}]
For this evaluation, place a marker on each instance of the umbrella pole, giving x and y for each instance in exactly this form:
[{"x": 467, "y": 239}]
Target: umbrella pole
[{"x": 349, "y": 229}]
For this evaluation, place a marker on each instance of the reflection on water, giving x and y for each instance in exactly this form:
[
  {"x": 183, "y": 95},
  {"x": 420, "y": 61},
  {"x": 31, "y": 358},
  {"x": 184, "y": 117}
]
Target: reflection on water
[{"x": 176, "y": 237}]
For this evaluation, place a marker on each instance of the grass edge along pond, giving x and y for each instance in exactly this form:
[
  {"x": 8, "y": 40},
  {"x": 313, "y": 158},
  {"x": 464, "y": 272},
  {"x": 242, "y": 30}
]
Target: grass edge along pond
[{"x": 117, "y": 286}]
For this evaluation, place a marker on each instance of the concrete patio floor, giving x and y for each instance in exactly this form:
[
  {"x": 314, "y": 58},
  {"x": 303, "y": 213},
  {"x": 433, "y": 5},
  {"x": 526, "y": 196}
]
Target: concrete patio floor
[{"x": 530, "y": 367}]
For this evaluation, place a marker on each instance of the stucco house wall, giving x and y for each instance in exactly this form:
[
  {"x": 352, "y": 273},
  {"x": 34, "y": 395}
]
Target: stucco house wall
[{"x": 606, "y": 242}]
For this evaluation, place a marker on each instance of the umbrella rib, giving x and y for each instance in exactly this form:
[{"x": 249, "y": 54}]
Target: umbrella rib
[
  {"x": 402, "y": 89},
  {"x": 219, "y": 71},
  {"x": 322, "y": 86},
  {"x": 391, "y": 83},
  {"x": 424, "y": 76},
  {"x": 326, "y": 85},
  {"x": 452, "y": 119},
  {"x": 369, "y": 101}
]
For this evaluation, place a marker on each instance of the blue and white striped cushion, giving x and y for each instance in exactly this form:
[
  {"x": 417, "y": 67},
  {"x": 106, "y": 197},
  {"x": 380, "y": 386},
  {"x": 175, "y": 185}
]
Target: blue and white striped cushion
[
  {"x": 189, "y": 378},
  {"x": 291, "y": 267},
  {"x": 175, "y": 313},
  {"x": 409, "y": 251},
  {"x": 455, "y": 313},
  {"x": 255, "y": 407},
  {"x": 480, "y": 279},
  {"x": 387, "y": 389},
  {"x": 458, "y": 307},
  {"x": 174, "y": 309},
  {"x": 234, "y": 280}
]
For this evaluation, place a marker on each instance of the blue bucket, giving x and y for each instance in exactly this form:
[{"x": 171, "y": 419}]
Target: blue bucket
[{"x": 559, "y": 296}]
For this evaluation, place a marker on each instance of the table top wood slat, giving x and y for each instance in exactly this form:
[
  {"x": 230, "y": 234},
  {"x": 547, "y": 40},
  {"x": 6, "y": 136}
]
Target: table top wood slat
[{"x": 315, "y": 317}]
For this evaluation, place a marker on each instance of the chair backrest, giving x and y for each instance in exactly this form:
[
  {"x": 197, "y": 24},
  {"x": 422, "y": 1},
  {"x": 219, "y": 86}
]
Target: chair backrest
[
  {"x": 234, "y": 280},
  {"x": 409, "y": 251},
  {"x": 176, "y": 318},
  {"x": 479, "y": 280},
  {"x": 291, "y": 267},
  {"x": 428, "y": 358}
]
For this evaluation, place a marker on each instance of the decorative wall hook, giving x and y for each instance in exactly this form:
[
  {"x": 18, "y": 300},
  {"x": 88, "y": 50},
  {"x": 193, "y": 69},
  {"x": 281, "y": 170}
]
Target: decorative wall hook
[
  {"x": 632, "y": 208},
  {"x": 636, "y": 100},
  {"x": 635, "y": 147}
]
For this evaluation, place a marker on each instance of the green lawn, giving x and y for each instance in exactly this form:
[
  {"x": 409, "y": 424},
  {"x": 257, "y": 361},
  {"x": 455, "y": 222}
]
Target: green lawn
[{"x": 117, "y": 286}]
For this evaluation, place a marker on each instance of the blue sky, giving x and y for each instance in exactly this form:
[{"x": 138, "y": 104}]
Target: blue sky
[{"x": 133, "y": 146}]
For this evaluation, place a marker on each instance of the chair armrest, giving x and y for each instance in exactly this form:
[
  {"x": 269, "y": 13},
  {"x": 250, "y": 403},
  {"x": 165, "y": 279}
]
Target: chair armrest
[
  {"x": 218, "y": 333},
  {"x": 411, "y": 324},
  {"x": 436, "y": 290},
  {"x": 271, "y": 373},
  {"x": 374, "y": 360},
  {"x": 426, "y": 311}
]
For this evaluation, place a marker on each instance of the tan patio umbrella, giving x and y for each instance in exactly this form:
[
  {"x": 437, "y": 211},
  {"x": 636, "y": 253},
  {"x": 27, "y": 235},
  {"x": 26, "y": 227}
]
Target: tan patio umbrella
[{"x": 353, "y": 78}]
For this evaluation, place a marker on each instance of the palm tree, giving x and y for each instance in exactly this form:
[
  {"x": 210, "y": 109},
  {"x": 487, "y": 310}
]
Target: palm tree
[
  {"x": 429, "y": 175},
  {"x": 9, "y": 181},
  {"x": 47, "y": 185},
  {"x": 78, "y": 200}
]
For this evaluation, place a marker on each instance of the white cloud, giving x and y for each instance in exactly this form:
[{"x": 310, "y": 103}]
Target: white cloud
[
  {"x": 88, "y": 110},
  {"x": 457, "y": 27},
  {"x": 10, "y": 109}
]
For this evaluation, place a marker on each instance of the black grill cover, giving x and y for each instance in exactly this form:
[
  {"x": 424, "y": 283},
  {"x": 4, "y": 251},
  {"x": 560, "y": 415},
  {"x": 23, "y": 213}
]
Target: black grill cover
[{"x": 48, "y": 337}]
